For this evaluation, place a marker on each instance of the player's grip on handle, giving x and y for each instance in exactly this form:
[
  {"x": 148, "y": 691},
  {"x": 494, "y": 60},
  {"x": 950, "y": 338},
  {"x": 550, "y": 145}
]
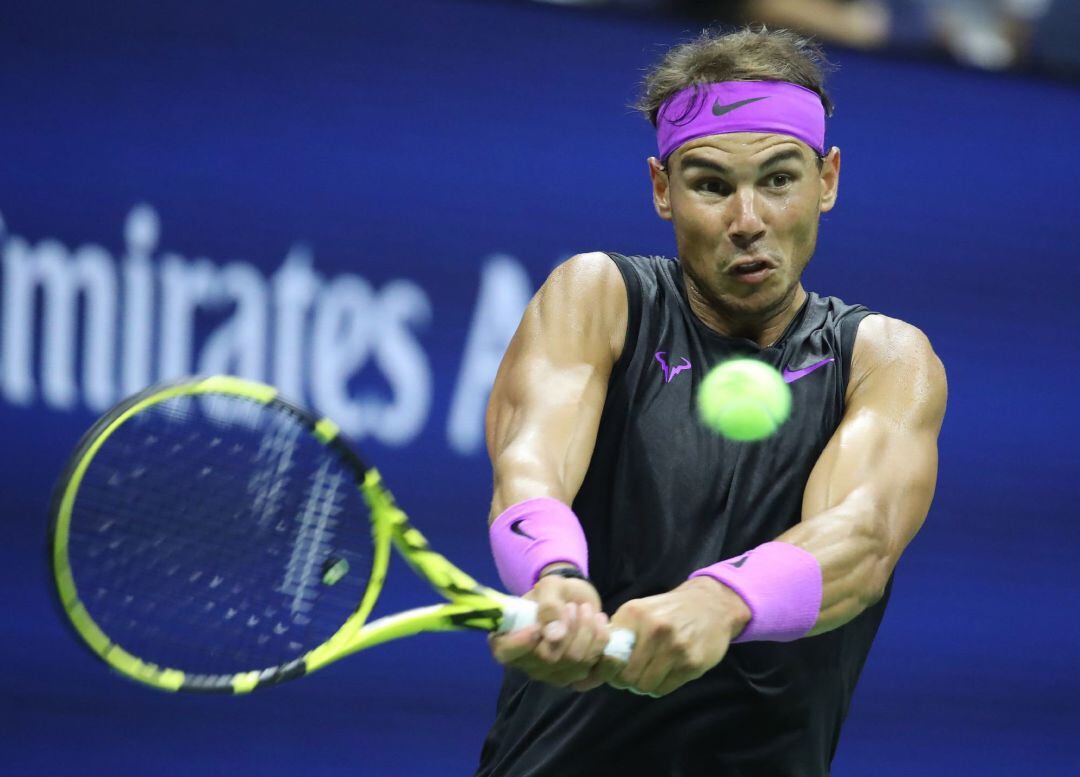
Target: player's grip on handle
[{"x": 519, "y": 613}]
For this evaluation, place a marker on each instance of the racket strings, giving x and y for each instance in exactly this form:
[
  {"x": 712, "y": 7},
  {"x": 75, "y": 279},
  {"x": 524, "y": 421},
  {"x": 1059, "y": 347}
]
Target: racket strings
[{"x": 201, "y": 533}]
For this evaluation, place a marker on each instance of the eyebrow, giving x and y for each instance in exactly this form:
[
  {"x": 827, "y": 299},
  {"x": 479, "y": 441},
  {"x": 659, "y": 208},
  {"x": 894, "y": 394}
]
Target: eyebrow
[{"x": 782, "y": 156}]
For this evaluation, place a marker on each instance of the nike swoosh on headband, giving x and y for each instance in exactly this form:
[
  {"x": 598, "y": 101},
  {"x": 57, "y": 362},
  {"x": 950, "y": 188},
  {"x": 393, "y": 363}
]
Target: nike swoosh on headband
[
  {"x": 791, "y": 376},
  {"x": 720, "y": 110}
]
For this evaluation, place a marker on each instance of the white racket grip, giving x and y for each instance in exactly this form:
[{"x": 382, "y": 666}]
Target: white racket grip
[
  {"x": 519, "y": 613},
  {"x": 620, "y": 644}
]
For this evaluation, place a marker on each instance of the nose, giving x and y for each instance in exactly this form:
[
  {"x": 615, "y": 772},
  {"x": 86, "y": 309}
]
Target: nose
[{"x": 746, "y": 226}]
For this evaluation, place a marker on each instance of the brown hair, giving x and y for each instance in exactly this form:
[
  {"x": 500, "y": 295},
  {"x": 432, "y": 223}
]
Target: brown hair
[{"x": 751, "y": 54}]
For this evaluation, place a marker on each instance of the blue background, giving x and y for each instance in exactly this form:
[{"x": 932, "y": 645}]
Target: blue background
[{"x": 415, "y": 141}]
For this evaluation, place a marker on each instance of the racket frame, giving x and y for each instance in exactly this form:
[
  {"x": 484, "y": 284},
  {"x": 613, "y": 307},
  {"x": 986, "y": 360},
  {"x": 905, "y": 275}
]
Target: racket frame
[{"x": 470, "y": 605}]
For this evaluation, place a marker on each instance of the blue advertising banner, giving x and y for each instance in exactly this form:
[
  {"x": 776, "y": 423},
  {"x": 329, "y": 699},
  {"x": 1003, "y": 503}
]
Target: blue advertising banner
[{"x": 355, "y": 202}]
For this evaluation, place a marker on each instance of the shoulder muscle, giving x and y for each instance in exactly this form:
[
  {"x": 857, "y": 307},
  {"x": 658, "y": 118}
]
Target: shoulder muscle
[
  {"x": 895, "y": 368},
  {"x": 586, "y": 297}
]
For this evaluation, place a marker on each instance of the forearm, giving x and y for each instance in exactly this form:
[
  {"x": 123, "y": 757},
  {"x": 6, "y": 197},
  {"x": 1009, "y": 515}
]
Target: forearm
[
  {"x": 851, "y": 545},
  {"x": 519, "y": 474},
  {"x": 872, "y": 486},
  {"x": 541, "y": 443}
]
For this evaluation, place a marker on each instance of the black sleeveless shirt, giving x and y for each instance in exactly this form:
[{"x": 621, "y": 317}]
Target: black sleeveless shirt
[{"x": 664, "y": 496}]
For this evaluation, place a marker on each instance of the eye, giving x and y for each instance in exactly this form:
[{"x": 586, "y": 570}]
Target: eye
[
  {"x": 780, "y": 180},
  {"x": 714, "y": 186}
]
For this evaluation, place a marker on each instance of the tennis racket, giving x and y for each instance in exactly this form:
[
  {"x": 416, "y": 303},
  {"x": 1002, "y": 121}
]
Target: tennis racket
[{"x": 209, "y": 536}]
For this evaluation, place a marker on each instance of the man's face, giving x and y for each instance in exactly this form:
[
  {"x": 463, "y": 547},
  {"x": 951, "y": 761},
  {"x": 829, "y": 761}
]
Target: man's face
[{"x": 745, "y": 208}]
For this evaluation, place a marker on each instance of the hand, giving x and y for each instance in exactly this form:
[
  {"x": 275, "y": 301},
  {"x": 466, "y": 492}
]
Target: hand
[
  {"x": 680, "y": 636},
  {"x": 567, "y": 640}
]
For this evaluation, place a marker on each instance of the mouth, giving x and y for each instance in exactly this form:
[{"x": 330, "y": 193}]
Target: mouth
[{"x": 752, "y": 270}]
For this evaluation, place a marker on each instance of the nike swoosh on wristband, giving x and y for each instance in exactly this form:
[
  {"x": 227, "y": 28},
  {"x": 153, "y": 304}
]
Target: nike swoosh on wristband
[
  {"x": 720, "y": 110},
  {"x": 790, "y": 376},
  {"x": 515, "y": 527}
]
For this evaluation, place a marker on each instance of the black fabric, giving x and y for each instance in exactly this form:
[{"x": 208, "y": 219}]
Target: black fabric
[{"x": 663, "y": 496}]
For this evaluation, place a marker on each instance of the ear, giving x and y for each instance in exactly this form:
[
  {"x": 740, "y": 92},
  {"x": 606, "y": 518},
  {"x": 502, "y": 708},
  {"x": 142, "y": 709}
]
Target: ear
[
  {"x": 830, "y": 179},
  {"x": 660, "y": 188}
]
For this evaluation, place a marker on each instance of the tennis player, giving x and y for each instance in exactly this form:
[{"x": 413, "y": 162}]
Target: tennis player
[{"x": 753, "y": 575}]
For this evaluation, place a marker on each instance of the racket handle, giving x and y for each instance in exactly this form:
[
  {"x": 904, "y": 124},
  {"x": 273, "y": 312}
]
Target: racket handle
[
  {"x": 519, "y": 613},
  {"x": 620, "y": 644}
]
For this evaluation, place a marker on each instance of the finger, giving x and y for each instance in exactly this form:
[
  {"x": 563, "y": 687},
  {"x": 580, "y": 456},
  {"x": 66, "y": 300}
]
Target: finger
[
  {"x": 630, "y": 673},
  {"x": 674, "y": 681},
  {"x": 515, "y": 644},
  {"x": 584, "y": 645},
  {"x": 590, "y": 682},
  {"x": 586, "y": 637},
  {"x": 604, "y": 668},
  {"x": 550, "y": 595},
  {"x": 654, "y": 674},
  {"x": 648, "y": 662},
  {"x": 557, "y": 635},
  {"x": 601, "y": 674},
  {"x": 607, "y": 671}
]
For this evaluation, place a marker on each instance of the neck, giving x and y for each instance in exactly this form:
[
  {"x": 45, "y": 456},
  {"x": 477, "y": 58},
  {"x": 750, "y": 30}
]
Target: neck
[{"x": 763, "y": 327}]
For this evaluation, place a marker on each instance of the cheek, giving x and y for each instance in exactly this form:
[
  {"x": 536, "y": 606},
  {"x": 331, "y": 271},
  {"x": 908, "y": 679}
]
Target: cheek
[
  {"x": 798, "y": 221},
  {"x": 804, "y": 238},
  {"x": 692, "y": 221}
]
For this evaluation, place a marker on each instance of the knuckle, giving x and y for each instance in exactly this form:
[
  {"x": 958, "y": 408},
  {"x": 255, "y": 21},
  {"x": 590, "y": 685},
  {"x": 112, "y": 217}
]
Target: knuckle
[
  {"x": 548, "y": 609},
  {"x": 544, "y": 653},
  {"x": 584, "y": 591},
  {"x": 695, "y": 659},
  {"x": 661, "y": 628},
  {"x": 575, "y": 655},
  {"x": 550, "y": 660}
]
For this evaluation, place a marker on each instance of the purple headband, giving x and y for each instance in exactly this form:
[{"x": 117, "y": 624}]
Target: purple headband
[{"x": 741, "y": 106}]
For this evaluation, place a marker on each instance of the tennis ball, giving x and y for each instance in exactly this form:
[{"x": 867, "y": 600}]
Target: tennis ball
[{"x": 744, "y": 400}]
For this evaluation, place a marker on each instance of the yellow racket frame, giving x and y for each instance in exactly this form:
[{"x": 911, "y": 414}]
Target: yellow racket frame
[{"x": 470, "y": 605}]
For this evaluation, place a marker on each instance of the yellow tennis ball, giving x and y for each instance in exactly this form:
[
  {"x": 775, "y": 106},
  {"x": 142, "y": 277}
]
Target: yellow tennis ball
[{"x": 744, "y": 400}]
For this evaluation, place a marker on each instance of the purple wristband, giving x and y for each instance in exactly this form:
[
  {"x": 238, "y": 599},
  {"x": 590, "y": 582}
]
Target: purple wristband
[
  {"x": 532, "y": 534},
  {"x": 780, "y": 583}
]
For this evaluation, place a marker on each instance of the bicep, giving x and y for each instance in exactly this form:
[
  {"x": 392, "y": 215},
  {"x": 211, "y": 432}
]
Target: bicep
[{"x": 548, "y": 396}]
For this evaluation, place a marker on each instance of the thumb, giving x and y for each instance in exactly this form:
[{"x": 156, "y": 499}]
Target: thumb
[
  {"x": 512, "y": 646},
  {"x": 605, "y": 670},
  {"x": 550, "y": 596}
]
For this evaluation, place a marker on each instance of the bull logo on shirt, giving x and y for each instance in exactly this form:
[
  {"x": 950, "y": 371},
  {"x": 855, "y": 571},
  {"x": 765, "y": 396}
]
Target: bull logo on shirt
[{"x": 669, "y": 371}]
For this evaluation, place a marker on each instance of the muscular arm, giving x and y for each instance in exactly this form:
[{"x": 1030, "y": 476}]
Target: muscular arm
[
  {"x": 871, "y": 488},
  {"x": 542, "y": 423},
  {"x": 545, "y": 407},
  {"x": 866, "y": 497}
]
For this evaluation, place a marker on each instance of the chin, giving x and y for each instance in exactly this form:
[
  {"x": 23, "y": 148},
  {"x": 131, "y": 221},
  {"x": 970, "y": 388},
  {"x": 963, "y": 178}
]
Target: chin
[{"x": 761, "y": 299}]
